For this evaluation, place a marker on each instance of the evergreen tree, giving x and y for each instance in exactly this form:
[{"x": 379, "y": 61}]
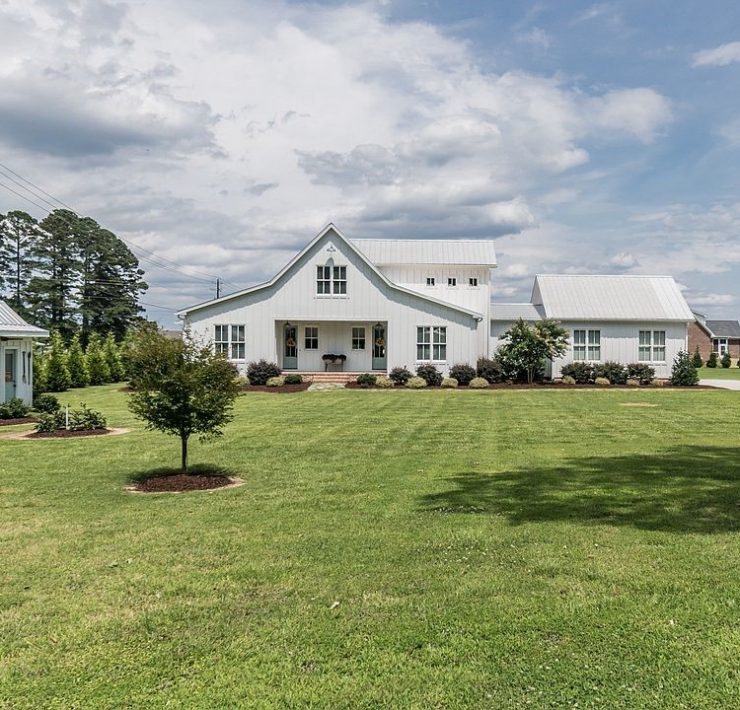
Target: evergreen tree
[
  {"x": 97, "y": 367},
  {"x": 18, "y": 231},
  {"x": 113, "y": 358},
  {"x": 39, "y": 369},
  {"x": 726, "y": 361},
  {"x": 76, "y": 363},
  {"x": 696, "y": 360},
  {"x": 55, "y": 365},
  {"x": 712, "y": 362}
]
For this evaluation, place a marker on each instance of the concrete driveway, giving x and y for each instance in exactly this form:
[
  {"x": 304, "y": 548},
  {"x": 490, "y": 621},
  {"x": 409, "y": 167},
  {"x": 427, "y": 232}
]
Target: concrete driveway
[{"x": 722, "y": 384}]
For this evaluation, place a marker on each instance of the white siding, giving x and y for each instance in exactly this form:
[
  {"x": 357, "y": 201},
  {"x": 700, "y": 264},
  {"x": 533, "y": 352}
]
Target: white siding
[{"x": 23, "y": 375}]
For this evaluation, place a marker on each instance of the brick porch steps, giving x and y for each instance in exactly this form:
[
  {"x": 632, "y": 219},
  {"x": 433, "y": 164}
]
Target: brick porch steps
[{"x": 330, "y": 377}]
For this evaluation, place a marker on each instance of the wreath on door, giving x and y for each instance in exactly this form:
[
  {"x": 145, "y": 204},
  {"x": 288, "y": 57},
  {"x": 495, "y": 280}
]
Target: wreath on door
[
  {"x": 290, "y": 342},
  {"x": 380, "y": 342}
]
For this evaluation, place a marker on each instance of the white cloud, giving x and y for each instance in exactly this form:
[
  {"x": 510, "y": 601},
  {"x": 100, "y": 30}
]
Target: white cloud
[
  {"x": 718, "y": 56},
  {"x": 710, "y": 299},
  {"x": 535, "y": 37},
  {"x": 623, "y": 260},
  {"x": 638, "y": 112}
]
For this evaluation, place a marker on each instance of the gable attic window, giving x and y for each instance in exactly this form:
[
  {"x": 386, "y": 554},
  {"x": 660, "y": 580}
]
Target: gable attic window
[
  {"x": 331, "y": 280},
  {"x": 473, "y": 281},
  {"x": 452, "y": 281},
  {"x": 431, "y": 281}
]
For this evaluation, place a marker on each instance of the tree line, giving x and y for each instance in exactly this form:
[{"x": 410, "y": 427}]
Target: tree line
[{"x": 68, "y": 274}]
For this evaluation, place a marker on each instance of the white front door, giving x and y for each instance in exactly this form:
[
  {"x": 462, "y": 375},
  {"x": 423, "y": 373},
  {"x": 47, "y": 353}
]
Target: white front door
[{"x": 11, "y": 374}]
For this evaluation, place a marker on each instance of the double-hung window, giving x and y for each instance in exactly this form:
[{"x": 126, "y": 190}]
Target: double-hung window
[
  {"x": 358, "y": 338},
  {"x": 229, "y": 340},
  {"x": 237, "y": 342},
  {"x": 331, "y": 280},
  {"x": 311, "y": 340},
  {"x": 431, "y": 343},
  {"x": 720, "y": 345},
  {"x": 652, "y": 346},
  {"x": 221, "y": 340},
  {"x": 587, "y": 345},
  {"x": 323, "y": 280},
  {"x": 340, "y": 280}
]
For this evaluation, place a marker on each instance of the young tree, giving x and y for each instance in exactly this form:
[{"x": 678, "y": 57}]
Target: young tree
[
  {"x": 18, "y": 230},
  {"x": 683, "y": 373},
  {"x": 527, "y": 348},
  {"x": 726, "y": 360},
  {"x": 696, "y": 360},
  {"x": 712, "y": 362},
  {"x": 181, "y": 388},
  {"x": 55, "y": 365},
  {"x": 76, "y": 364},
  {"x": 97, "y": 365},
  {"x": 113, "y": 358}
]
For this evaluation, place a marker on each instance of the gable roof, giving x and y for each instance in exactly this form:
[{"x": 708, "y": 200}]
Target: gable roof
[
  {"x": 510, "y": 312},
  {"x": 723, "y": 328},
  {"x": 462, "y": 252},
  {"x": 611, "y": 298},
  {"x": 13, "y": 326},
  {"x": 281, "y": 274}
]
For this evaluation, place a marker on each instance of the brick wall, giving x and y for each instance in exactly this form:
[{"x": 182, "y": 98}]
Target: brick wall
[{"x": 698, "y": 337}]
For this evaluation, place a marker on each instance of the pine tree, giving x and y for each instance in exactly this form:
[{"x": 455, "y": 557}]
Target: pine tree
[
  {"x": 76, "y": 363},
  {"x": 55, "y": 365},
  {"x": 712, "y": 362},
  {"x": 113, "y": 358},
  {"x": 97, "y": 367},
  {"x": 18, "y": 232},
  {"x": 696, "y": 360},
  {"x": 39, "y": 369},
  {"x": 726, "y": 360}
]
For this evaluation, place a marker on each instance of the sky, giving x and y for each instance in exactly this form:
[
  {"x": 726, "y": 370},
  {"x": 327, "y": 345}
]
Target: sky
[{"x": 218, "y": 138}]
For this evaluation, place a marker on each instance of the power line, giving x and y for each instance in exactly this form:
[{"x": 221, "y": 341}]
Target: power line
[{"x": 23, "y": 197}]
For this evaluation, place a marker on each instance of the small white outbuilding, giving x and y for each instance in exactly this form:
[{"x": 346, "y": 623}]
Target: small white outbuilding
[{"x": 16, "y": 355}]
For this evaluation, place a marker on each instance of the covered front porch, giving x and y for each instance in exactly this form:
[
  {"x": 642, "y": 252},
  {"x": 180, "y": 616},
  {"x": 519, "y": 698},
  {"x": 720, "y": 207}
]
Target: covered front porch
[{"x": 357, "y": 346}]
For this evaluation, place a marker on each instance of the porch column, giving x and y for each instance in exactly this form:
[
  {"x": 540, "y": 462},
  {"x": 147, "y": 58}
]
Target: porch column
[{"x": 2, "y": 372}]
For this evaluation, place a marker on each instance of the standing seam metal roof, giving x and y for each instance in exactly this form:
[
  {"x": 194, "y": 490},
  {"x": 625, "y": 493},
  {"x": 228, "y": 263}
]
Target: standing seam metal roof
[
  {"x": 480, "y": 252},
  {"x": 11, "y": 324}
]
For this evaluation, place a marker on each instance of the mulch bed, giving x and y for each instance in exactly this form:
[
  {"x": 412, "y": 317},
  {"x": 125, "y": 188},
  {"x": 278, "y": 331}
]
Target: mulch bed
[
  {"x": 22, "y": 420},
  {"x": 181, "y": 482},
  {"x": 542, "y": 386},
  {"x": 66, "y": 433},
  {"x": 284, "y": 388}
]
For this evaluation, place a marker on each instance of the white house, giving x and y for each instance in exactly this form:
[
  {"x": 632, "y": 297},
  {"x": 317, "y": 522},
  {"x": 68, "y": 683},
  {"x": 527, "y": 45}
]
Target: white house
[
  {"x": 16, "y": 355},
  {"x": 381, "y": 303},
  {"x": 624, "y": 319}
]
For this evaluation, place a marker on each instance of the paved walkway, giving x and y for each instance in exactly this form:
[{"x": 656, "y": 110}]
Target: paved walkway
[
  {"x": 722, "y": 384},
  {"x": 325, "y": 386}
]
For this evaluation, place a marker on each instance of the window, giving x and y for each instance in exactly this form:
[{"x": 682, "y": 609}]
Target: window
[
  {"x": 452, "y": 281},
  {"x": 232, "y": 347},
  {"x": 221, "y": 341},
  {"x": 358, "y": 338},
  {"x": 652, "y": 346},
  {"x": 473, "y": 281},
  {"x": 237, "y": 342},
  {"x": 720, "y": 345},
  {"x": 587, "y": 345},
  {"x": 323, "y": 280},
  {"x": 431, "y": 343},
  {"x": 431, "y": 281},
  {"x": 312, "y": 337},
  {"x": 340, "y": 279},
  {"x": 331, "y": 280}
]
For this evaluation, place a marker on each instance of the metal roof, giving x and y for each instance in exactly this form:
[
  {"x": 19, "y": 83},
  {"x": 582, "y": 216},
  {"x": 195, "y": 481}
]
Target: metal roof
[
  {"x": 723, "y": 328},
  {"x": 13, "y": 326},
  {"x": 510, "y": 312},
  {"x": 478, "y": 252},
  {"x": 615, "y": 298}
]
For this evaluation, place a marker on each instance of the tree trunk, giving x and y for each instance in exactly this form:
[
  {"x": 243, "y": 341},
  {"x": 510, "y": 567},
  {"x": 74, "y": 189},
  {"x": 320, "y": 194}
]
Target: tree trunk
[{"x": 184, "y": 453}]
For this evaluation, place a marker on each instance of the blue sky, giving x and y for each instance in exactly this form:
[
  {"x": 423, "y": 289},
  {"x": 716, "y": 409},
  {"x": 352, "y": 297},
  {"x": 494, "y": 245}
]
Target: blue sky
[{"x": 584, "y": 137}]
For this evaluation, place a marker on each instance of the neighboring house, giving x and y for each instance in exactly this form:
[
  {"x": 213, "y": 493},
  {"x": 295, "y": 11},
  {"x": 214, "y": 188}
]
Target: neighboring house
[
  {"x": 16, "y": 355},
  {"x": 717, "y": 336},
  {"x": 620, "y": 318},
  {"x": 381, "y": 303}
]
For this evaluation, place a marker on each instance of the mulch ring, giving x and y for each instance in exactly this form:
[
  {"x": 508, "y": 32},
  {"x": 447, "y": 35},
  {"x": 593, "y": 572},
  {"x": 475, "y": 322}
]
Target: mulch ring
[
  {"x": 62, "y": 434},
  {"x": 283, "y": 388},
  {"x": 183, "y": 482},
  {"x": 22, "y": 420}
]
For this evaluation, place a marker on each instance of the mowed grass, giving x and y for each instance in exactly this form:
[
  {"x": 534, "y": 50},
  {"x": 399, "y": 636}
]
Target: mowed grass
[
  {"x": 498, "y": 549},
  {"x": 720, "y": 373}
]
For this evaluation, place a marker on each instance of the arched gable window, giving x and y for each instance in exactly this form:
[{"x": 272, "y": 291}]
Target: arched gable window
[{"x": 331, "y": 280}]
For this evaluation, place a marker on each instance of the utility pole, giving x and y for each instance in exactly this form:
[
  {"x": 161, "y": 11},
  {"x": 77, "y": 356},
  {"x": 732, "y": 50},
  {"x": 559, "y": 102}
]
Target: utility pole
[{"x": 218, "y": 288}]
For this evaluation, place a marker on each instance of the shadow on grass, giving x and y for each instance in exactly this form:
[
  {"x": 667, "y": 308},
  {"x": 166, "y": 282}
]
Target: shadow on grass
[
  {"x": 196, "y": 470},
  {"x": 691, "y": 489}
]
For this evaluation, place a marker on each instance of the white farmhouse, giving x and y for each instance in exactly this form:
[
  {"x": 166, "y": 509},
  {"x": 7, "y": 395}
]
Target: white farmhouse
[
  {"x": 626, "y": 319},
  {"x": 16, "y": 355},
  {"x": 386, "y": 303}
]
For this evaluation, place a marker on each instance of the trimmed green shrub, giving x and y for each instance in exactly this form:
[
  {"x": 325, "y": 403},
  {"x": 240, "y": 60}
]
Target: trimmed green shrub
[
  {"x": 581, "y": 372},
  {"x": 78, "y": 375},
  {"x": 430, "y": 374},
  {"x": 366, "y": 379},
  {"x": 383, "y": 381},
  {"x": 696, "y": 360},
  {"x": 683, "y": 373},
  {"x": 275, "y": 381},
  {"x": 602, "y": 381},
  {"x": 259, "y": 372},
  {"x": 46, "y": 403},
  {"x": 51, "y": 421},
  {"x": 712, "y": 362},
  {"x": 112, "y": 357},
  {"x": 14, "y": 408},
  {"x": 568, "y": 380},
  {"x": 463, "y": 374},
  {"x": 641, "y": 372},
  {"x": 449, "y": 383},
  {"x": 400, "y": 376},
  {"x": 85, "y": 419},
  {"x": 726, "y": 360},
  {"x": 55, "y": 365},
  {"x": 416, "y": 383},
  {"x": 479, "y": 383},
  {"x": 97, "y": 366},
  {"x": 615, "y": 372},
  {"x": 490, "y": 370},
  {"x": 293, "y": 378}
]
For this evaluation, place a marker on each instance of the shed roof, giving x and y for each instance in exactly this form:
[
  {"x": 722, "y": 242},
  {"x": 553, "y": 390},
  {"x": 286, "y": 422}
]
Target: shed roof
[
  {"x": 13, "y": 326},
  {"x": 724, "y": 328},
  {"x": 479, "y": 252},
  {"x": 510, "y": 312},
  {"x": 611, "y": 298}
]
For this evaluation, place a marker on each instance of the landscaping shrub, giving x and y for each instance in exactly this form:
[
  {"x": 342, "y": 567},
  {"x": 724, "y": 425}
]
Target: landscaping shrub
[
  {"x": 633, "y": 383},
  {"x": 696, "y": 360},
  {"x": 615, "y": 372},
  {"x": 581, "y": 372},
  {"x": 726, "y": 361},
  {"x": 641, "y": 372},
  {"x": 275, "y": 381},
  {"x": 462, "y": 373},
  {"x": 712, "y": 362},
  {"x": 78, "y": 375},
  {"x": 50, "y": 421},
  {"x": 97, "y": 365},
  {"x": 400, "y": 376},
  {"x": 85, "y": 419},
  {"x": 46, "y": 403},
  {"x": 416, "y": 383},
  {"x": 14, "y": 409},
  {"x": 490, "y": 370},
  {"x": 479, "y": 383},
  {"x": 449, "y": 383},
  {"x": 602, "y": 382},
  {"x": 430, "y": 374},
  {"x": 683, "y": 373},
  {"x": 55, "y": 365},
  {"x": 366, "y": 379},
  {"x": 293, "y": 379},
  {"x": 383, "y": 381},
  {"x": 259, "y": 372},
  {"x": 112, "y": 357},
  {"x": 526, "y": 348},
  {"x": 568, "y": 380}
]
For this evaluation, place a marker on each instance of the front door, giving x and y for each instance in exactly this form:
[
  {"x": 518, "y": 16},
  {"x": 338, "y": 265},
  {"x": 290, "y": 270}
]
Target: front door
[
  {"x": 379, "y": 344},
  {"x": 290, "y": 348},
  {"x": 11, "y": 374}
]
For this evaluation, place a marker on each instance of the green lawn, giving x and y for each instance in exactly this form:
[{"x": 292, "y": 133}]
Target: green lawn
[
  {"x": 495, "y": 549},
  {"x": 719, "y": 373}
]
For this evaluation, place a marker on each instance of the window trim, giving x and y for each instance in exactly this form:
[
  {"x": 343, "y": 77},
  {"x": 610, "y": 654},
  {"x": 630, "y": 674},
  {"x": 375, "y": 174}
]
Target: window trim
[
  {"x": 358, "y": 338},
  {"x": 307, "y": 337},
  {"x": 452, "y": 281},
  {"x": 472, "y": 282},
  {"x": 651, "y": 346},
  {"x": 431, "y": 281},
  {"x": 435, "y": 345},
  {"x": 588, "y": 346},
  {"x": 331, "y": 280},
  {"x": 226, "y": 337}
]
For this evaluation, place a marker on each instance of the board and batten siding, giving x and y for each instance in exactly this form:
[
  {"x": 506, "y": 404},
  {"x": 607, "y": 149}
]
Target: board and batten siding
[
  {"x": 369, "y": 299},
  {"x": 23, "y": 375},
  {"x": 620, "y": 342}
]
